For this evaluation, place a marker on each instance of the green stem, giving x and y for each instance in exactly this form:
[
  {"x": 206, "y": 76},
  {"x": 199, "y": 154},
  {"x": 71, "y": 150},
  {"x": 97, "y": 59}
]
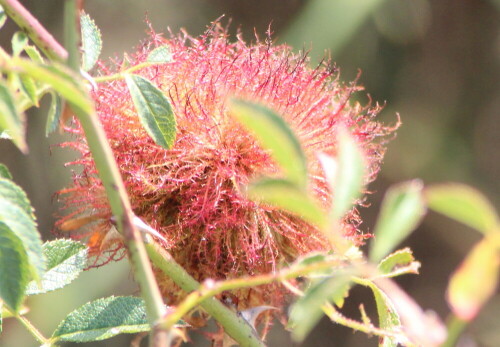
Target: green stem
[
  {"x": 191, "y": 301},
  {"x": 33, "y": 330},
  {"x": 120, "y": 206},
  {"x": 210, "y": 289},
  {"x": 121, "y": 75},
  {"x": 233, "y": 324},
  {"x": 200, "y": 294},
  {"x": 36, "y": 32},
  {"x": 369, "y": 329},
  {"x": 455, "y": 328},
  {"x": 115, "y": 190},
  {"x": 71, "y": 28}
]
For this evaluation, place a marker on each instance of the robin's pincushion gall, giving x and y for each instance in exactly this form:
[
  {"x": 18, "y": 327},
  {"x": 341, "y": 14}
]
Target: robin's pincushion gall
[{"x": 191, "y": 193}]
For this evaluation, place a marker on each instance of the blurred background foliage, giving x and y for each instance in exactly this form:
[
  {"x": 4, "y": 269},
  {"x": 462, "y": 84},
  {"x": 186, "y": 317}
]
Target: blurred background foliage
[{"x": 436, "y": 63}]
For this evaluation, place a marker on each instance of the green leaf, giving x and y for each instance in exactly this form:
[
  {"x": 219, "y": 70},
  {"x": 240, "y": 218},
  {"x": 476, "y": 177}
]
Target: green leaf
[
  {"x": 464, "y": 204},
  {"x": 339, "y": 298},
  {"x": 476, "y": 279},
  {"x": 23, "y": 226},
  {"x": 91, "y": 42},
  {"x": 154, "y": 110},
  {"x": 34, "y": 54},
  {"x": 387, "y": 315},
  {"x": 14, "y": 269},
  {"x": 286, "y": 195},
  {"x": 399, "y": 263},
  {"x": 311, "y": 259},
  {"x": 19, "y": 41},
  {"x": 332, "y": 24},
  {"x": 160, "y": 54},
  {"x": 307, "y": 310},
  {"x": 1, "y": 302},
  {"x": 54, "y": 116},
  {"x": 59, "y": 77},
  {"x": 11, "y": 121},
  {"x": 402, "y": 209},
  {"x": 4, "y": 172},
  {"x": 274, "y": 134},
  {"x": 104, "y": 318},
  {"x": 29, "y": 88},
  {"x": 65, "y": 260},
  {"x": 14, "y": 194},
  {"x": 3, "y": 17},
  {"x": 348, "y": 176}
]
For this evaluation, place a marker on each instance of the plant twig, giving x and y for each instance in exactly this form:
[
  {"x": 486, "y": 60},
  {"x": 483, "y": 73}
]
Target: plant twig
[
  {"x": 455, "y": 327},
  {"x": 234, "y": 325},
  {"x": 120, "y": 206},
  {"x": 36, "y": 32},
  {"x": 121, "y": 75},
  {"x": 33, "y": 330},
  {"x": 200, "y": 294},
  {"x": 116, "y": 193},
  {"x": 71, "y": 33},
  {"x": 368, "y": 329},
  {"x": 211, "y": 288}
]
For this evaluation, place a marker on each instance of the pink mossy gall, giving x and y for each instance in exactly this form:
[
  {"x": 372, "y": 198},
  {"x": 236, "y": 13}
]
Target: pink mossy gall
[{"x": 191, "y": 193}]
